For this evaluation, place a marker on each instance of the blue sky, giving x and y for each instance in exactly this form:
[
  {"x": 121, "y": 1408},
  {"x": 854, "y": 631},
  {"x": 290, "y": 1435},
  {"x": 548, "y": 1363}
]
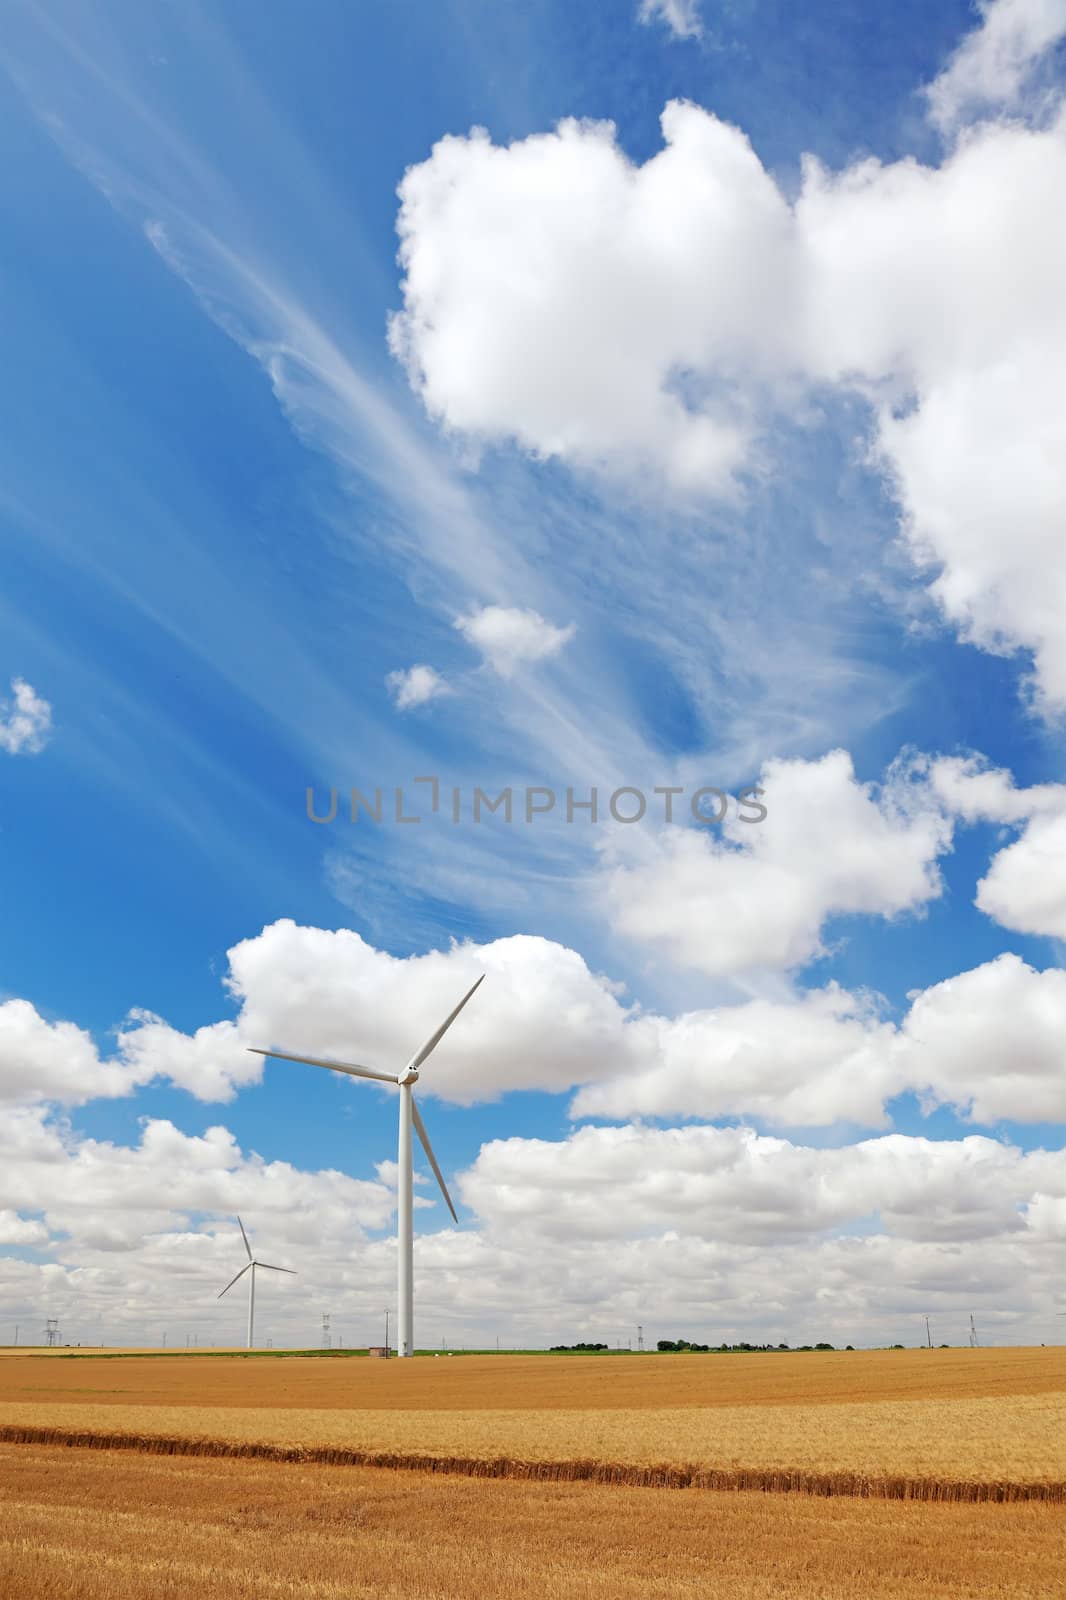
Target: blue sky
[{"x": 230, "y": 512}]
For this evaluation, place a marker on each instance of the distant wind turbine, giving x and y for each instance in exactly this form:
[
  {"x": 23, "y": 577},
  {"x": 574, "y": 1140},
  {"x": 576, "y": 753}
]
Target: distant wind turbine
[
  {"x": 250, "y": 1266},
  {"x": 409, "y": 1114}
]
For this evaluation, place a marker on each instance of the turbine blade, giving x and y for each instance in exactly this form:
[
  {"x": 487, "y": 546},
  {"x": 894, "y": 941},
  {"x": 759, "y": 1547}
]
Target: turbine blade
[
  {"x": 232, "y": 1281},
  {"x": 420, "y": 1127},
  {"x": 269, "y": 1268},
  {"x": 432, "y": 1043},
  {"x": 350, "y": 1067},
  {"x": 244, "y": 1236}
]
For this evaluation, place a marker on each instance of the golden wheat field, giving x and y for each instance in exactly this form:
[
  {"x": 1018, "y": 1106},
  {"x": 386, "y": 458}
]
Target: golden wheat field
[
  {"x": 957, "y": 1424},
  {"x": 924, "y": 1473},
  {"x": 114, "y": 1526}
]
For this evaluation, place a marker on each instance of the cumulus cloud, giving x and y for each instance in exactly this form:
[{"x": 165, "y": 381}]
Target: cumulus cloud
[
  {"x": 25, "y": 720},
  {"x": 992, "y": 1042},
  {"x": 744, "y": 1187},
  {"x": 824, "y": 1057},
  {"x": 758, "y": 896},
  {"x": 509, "y": 638},
  {"x": 58, "y": 1061},
  {"x": 21, "y": 1230},
  {"x": 211, "y": 1063},
  {"x": 991, "y": 66},
  {"x": 414, "y": 686},
  {"x": 552, "y": 292},
  {"x": 166, "y": 1205},
  {"x": 542, "y": 1020},
  {"x": 986, "y": 1041},
  {"x": 726, "y": 1224},
  {"x": 1025, "y": 886},
  {"x": 42, "y": 1060},
  {"x": 720, "y": 1230},
  {"x": 682, "y": 17},
  {"x": 656, "y": 319}
]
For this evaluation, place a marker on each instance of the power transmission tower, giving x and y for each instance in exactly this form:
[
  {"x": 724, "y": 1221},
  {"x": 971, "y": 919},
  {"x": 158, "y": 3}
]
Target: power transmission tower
[
  {"x": 973, "y": 1333},
  {"x": 51, "y": 1329},
  {"x": 327, "y": 1340},
  {"x": 640, "y": 1338},
  {"x": 928, "y": 1335}
]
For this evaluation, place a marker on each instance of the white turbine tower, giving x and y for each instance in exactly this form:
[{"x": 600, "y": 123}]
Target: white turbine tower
[
  {"x": 409, "y": 1113},
  {"x": 250, "y": 1266}
]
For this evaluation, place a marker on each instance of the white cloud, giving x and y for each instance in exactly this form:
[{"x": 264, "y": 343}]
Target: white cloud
[
  {"x": 758, "y": 896},
  {"x": 720, "y": 1228},
  {"x": 21, "y": 1230},
  {"x": 720, "y": 1231},
  {"x": 42, "y": 1060},
  {"x": 110, "y": 1197},
  {"x": 823, "y": 1057},
  {"x": 552, "y": 291},
  {"x": 975, "y": 792},
  {"x": 653, "y": 320},
  {"x": 984, "y": 1041},
  {"x": 59, "y": 1061},
  {"x": 682, "y": 17},
  {"x": 212, "y": 1063},
  {"x": 416, "y": 685},
  {"x": 988, "y": 1042},
  {"x": 992, "y": 1042},
  {"x": 25, "y": 720},
  {"x": 991, "y": 66},
  {"x": 1025, "y": 886},
  {"x": 542, "y": 1020},
  {"x": 509, "y": 638},
  {"x": 735, "y": 1185}
]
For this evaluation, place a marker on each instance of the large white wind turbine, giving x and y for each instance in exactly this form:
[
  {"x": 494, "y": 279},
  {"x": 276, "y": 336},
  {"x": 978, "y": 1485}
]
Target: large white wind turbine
[
  {"x": 250, "y": 1266},
  {"x": 409, "y": 1113}
]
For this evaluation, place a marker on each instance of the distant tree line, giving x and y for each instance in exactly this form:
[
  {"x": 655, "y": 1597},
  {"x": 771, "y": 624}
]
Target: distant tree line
[
  {"x": 673, "y": 1345},
  {"x": 722, "y": 1349}
]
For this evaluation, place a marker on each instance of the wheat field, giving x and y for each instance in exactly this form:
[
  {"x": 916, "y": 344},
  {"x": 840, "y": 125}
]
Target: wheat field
[
  {"x": 922, "y": 1473},
  {"x": 535, "y": 1382},
  {"x": 930, "y": 1424},
  {"x": 113, "y": 1526}
]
